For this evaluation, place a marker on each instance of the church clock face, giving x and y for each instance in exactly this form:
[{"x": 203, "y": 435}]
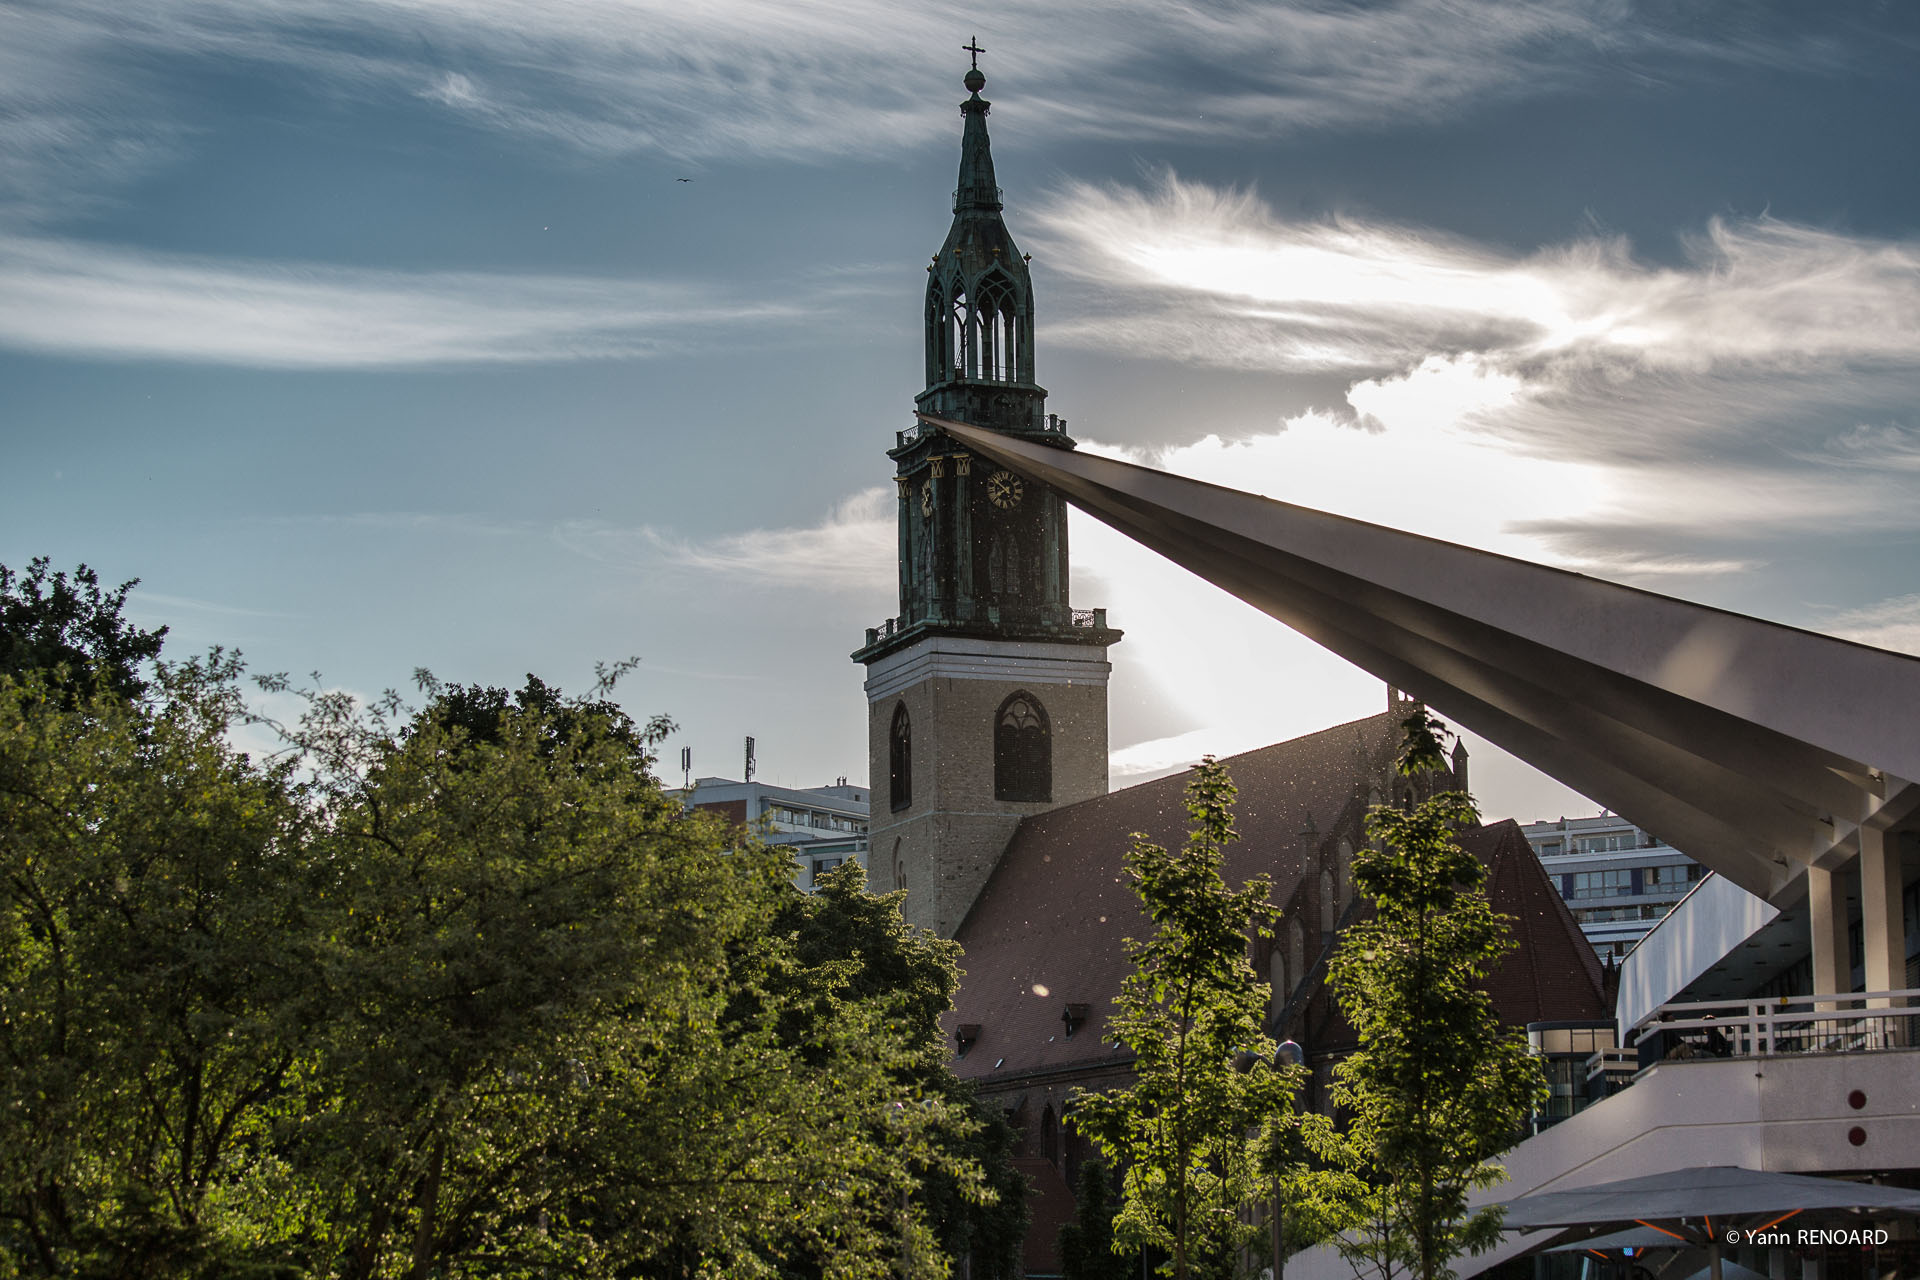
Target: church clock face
[
  {"x": 1004, "y": 490},
  {"x": 926, "y": 498}
]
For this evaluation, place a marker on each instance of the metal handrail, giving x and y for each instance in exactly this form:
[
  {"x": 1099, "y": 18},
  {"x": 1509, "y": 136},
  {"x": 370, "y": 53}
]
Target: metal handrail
[
  {"x": 1676, "y": 1006},
  {"x": 1830, "y": 1022}
]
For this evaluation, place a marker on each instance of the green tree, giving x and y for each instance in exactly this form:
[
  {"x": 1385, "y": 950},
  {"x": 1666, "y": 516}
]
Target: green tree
[
  {"x": 1438, "y": 1087},
  {"x": 417, "y": 1000},
  {"x": 71, "y": 628},
  {"x": 1086, "y": 1243},
  {"x": 973, "y": 1199},
  {"x": 577, "y": 1031},
  {"x": 154, "y": 980},
  {"x": 1194, "y": 1133},
  {"x": 484, "y": 712}
]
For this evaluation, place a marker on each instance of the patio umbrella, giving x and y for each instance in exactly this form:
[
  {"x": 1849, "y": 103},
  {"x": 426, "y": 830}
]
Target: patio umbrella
[
  {"x": 1635, "y": 1238},
  {"x": 1700, "y": 1208},
  {"x": 1729, "y": 1271}
]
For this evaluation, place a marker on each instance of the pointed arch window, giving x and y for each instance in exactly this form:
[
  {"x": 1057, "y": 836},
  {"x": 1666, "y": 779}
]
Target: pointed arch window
[
  {"x": 1022, "y": 750},
  {"x": 962, "y": 344},
  {"x": 997, "y": 330},
  {"x": 939, "y": 348},
  {"x": 983, "y": 332},
  {"x": 900, "y": 760}
]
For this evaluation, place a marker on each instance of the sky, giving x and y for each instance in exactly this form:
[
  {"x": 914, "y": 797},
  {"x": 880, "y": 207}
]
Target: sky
[{"x": 494, "y": 338}]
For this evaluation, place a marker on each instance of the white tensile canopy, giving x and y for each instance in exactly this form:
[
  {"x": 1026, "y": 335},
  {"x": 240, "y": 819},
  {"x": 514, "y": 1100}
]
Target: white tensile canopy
[{"x": 1760, "y": 749}]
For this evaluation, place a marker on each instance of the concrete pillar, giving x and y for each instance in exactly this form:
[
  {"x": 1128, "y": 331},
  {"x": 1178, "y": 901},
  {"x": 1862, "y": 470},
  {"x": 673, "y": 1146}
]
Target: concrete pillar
[
  {"x": 1883, "y": 929},
  {"x": 1827, "y": 919}
]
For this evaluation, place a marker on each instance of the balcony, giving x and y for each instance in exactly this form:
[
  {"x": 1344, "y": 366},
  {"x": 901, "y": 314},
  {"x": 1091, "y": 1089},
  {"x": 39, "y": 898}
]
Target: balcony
[
  {"x": 1078, "y": 619},
  {"x": 1850, "y": 1022},
  {"x": 1053, "y": 425}
]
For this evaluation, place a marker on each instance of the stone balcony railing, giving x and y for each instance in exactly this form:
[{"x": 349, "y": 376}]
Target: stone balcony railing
[{"x": 1080, "y": 619}]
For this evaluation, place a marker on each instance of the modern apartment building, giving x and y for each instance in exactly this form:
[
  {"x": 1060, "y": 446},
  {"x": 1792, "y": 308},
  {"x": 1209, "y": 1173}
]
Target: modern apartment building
[
  {"x": 1619, "y": 879},
  {"x": 825, "y": 826}
]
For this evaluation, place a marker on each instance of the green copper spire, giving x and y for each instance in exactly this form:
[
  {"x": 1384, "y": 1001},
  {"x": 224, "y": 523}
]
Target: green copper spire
[
  {"x": 977, "y": 189},
  {"x": 980, "y": 299},
  {"x": 983, "y": 554}
]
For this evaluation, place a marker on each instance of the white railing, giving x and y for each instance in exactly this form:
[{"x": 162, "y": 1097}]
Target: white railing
[{"x": 1842, "y": 1022}]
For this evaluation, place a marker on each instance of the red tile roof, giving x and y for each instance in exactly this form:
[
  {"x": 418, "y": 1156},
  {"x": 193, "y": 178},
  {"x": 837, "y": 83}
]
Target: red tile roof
[
  {"x": 1554, "y": 974},
  {"x": 1051, "y": 925}
]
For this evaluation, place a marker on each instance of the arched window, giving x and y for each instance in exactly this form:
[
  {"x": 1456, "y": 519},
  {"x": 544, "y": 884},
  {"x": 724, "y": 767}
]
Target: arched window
[
  {"x": 996, "y": 320},
  {"x": 900, "y": 760},
  {"x": 1022, "y": 750},
  {"x": 1296, "y": 949},
  {"x": 961, "y": 345},
  {"x": 1277, "y": 974},
  {"x": 980, "y": 332},
  {"x": 899, "y": 872},
  {"x": 1049, "y": 1135},
  {"x": 939, "y": 359},
  {"x": 1327, "y": 911},
  {"x": 1343, "y": 871}
]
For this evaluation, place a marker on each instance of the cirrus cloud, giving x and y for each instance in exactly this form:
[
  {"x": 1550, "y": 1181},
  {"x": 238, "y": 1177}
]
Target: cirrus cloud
[
  {"x": 849, "y": 77},
  {"x": 79, "y": 299}
]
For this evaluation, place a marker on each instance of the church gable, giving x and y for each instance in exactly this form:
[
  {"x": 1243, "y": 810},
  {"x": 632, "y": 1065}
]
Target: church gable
[
  {"x": 1049, "y": 929},
  {"x": 1047, "y": 937}
]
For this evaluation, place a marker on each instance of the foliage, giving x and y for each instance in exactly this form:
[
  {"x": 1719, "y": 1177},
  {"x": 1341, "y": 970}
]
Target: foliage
[
  {"x": 973, "y": 1200},
  {"x": 484, "y": 711},
  {"x": 1086, "y": 1243},
  {"x": 451, "y": 993},
  {"x": 153, "y": 978},
  {"x": 73, "y": 630},
  {"x": 1438, "y": 1087},
  {"x": 1194, "y": 1131}
]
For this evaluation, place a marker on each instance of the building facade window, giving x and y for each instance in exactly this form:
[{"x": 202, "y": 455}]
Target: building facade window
[
  {"x": 900, "y": 760},
  {"x": 1022, "y": 750},
  {"x": 1674, "y": 877},
  {"x": 1602, "y": 884}
]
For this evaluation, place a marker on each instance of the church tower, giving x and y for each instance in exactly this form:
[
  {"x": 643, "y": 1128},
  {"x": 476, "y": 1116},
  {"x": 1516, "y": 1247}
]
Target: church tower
[{"x": 987, "y": 695}]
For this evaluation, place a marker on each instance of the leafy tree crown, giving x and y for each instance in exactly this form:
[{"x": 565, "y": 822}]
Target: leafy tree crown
[{"x": 71, "y": 627}]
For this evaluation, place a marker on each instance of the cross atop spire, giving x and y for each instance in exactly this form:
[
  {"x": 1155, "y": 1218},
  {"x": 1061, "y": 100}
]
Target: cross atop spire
[{"x": 972, "y": 46}]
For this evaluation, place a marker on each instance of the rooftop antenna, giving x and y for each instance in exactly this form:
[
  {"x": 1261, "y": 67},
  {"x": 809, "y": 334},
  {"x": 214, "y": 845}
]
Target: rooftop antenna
[
  {"x": 750, "y": 760},
  {"x": 686, "y": 768}
]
